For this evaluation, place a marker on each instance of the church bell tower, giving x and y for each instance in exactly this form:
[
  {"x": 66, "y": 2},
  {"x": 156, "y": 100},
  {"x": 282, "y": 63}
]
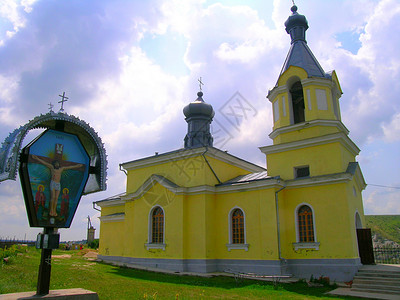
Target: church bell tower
[{"x": 309, "y": 138}]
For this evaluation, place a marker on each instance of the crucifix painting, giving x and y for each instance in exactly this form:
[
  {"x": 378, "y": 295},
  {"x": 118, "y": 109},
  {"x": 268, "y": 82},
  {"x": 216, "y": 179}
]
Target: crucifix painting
[{"x": 58, "y": 170}]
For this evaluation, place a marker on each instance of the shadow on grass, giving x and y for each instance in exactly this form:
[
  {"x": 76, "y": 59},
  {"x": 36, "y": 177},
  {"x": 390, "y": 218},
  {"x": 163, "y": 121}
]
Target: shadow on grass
[{"x": 223, "y": 282}]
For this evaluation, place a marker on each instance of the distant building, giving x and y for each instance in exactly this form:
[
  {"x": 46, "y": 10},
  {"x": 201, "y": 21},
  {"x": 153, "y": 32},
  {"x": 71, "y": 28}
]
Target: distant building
[
  {"x": 90, "y": 231},
  {"x": 200, "y": 209}
]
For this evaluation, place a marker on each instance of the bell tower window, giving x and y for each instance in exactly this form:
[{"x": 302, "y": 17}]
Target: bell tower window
[{"x": 296, "y": 91}]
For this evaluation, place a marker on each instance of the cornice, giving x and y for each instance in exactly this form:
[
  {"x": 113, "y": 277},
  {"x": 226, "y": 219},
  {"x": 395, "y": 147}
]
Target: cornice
[
  {"x": 113, "y": 218},
  {"x": 162, "y": 158},
  {"x": 272, "y": 94},
  {"x": 233, "y": 160},
  {"x": 252, "y": 185},
  {"x": 318, "y": 180},
  {"x": 340, "y": 137},
  {"x": 326, "y": 82},
  {"x": 295, "y": 127},
  {"x": 275, "y": 183},
  {"x": 110, "y": 202},
  {"x": 188, "y": 153}
]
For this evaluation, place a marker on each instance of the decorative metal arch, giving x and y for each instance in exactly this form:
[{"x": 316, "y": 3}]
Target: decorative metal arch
[{"x": 11, "y": 147}]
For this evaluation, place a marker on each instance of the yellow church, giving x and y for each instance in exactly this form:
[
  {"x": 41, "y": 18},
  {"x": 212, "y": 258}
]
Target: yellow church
[{"x": 200, "y": 209}]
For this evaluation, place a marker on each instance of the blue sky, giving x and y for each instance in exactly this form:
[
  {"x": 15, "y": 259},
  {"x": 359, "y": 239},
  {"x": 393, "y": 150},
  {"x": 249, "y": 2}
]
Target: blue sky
[{"x": 129, "y": 68}]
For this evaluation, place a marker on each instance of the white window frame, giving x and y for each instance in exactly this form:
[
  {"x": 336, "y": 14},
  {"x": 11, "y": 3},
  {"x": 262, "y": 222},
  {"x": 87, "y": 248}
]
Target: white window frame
[
  {"x": 149, "y": 244},
  {"x": 305, "y": 245},
  {"x": 232, "y": 246}
]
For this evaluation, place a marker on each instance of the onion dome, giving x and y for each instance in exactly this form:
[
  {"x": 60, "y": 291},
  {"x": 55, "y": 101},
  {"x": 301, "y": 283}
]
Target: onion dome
[
  {"x": 199, "y": 116},
  {"x": 198, "y": 107},
  {"x": 296, "y": 25}
]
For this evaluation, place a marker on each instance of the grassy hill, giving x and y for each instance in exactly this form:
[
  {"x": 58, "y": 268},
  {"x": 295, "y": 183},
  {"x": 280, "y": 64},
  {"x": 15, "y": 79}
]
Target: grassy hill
[{"x": 386, "y": 226}]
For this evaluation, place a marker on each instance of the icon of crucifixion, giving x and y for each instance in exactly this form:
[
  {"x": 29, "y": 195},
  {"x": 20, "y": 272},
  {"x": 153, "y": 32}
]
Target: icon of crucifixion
[{"x": 56, "y": 166}]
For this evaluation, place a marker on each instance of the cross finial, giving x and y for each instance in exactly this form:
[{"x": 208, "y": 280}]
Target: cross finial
[
  {"x": 50, "y": 107},
  {"x": 63, "y": 99},
  {"x": 293, "y": 3},
  {"x": 200, "y": 83}
]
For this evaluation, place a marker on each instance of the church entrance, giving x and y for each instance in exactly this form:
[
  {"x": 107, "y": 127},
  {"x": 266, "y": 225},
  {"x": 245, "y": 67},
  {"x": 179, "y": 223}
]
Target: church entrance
[{"x": 364, "y": 239}]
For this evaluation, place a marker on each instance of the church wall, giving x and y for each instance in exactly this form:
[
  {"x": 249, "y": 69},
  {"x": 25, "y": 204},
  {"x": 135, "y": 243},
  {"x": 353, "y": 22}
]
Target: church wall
[
  {"x": 321, "y": 159},
  {"x": 109, "y": 210},
  {"x": 304, "y": 133},
  {"x": 355, "y": 206},
  {"x": 260, "y": 224},
  {"x": 111, "y": 232},
  {"x": 186, "y": 172},
  {"x": 137, "y": 229},
  {"x": 319, "y": 102},
  {"x": 195, "y": 207},
  {"x": 332, "y": 223},
  {"x": 112, "y": 238}
]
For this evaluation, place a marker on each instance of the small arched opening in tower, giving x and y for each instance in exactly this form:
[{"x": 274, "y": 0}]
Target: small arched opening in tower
[{"x": 296, "y": 92}]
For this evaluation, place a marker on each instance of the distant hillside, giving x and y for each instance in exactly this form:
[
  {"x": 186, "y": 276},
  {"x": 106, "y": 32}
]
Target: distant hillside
[{"x": 386, "y": 226}]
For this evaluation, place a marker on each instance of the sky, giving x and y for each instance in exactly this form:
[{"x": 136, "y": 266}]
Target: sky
[{"x": 129, "y": 68}]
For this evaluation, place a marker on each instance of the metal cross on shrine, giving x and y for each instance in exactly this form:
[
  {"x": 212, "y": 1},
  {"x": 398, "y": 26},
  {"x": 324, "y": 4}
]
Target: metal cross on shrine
[
  {"x": 63, "y": 99},
  {"x": 200, "y": 83},
  {"x": 50, "y": 106}
]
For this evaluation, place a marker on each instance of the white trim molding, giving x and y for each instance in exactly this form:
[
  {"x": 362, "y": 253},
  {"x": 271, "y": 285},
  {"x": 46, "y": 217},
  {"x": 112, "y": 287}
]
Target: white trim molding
[
  {"x": 295, "y": 127},
  {"x": 183, "y": 154},
  {"x": 118, "y": 217},
  {"x": 155, "y": 246},
  {"x": 357, "y": 220},
  {"x": 340, "y": 137},
  {"x": 297, "y": 246},
  {"x": 237, "y": 247}
]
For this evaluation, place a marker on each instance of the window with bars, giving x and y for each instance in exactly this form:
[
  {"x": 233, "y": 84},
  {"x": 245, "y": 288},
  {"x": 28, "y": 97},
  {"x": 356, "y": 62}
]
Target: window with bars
[
  {"x": 305, "y": 224},
  {"x": 237, "y": 226},
  {"x": 157, "y": 226}
]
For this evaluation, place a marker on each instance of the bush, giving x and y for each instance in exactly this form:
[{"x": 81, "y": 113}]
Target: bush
[
  {"x": 10, "y": 252},
  {"x": 94, "y": 244}
]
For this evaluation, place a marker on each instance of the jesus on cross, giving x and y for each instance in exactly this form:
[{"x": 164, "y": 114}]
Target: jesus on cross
[{"x": 55, "y": 184}]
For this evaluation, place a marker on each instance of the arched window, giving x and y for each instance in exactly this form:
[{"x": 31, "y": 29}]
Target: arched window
[
  {"x": 305, "y": 224},
  {"x": 296, "y": 92},
  {"x": 157, "y": 226},
  {"x": 237, "y": 227},
  {"x": 237, "y": 230}
]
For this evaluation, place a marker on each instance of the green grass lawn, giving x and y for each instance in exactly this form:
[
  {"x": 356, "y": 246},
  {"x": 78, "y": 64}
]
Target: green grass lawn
[{"x": 111, "y": 282}]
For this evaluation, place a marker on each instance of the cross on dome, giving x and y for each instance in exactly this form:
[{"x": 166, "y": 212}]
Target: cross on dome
[
  {"x": 63, "y": 99},
  {"x": 200, "y": 83}
]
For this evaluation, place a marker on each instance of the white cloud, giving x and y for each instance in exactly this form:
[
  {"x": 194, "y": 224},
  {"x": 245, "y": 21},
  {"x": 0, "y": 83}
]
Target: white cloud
[
  {"x": 13, "y": 12},
  {"x": 382, "y": 201},
  {"x": 392, "y": 130}
]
